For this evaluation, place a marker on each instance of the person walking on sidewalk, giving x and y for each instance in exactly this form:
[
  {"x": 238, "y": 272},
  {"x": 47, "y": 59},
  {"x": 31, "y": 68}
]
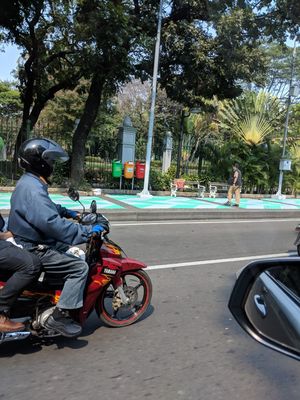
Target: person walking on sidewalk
[{"x": 235, "y": 182}]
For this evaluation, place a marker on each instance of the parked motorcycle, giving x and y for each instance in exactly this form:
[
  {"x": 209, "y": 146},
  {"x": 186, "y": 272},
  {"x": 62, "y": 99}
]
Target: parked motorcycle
[{"x": 117, "y": 287}]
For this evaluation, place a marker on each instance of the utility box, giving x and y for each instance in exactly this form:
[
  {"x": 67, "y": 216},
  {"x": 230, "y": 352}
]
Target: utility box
[
  {"x": 126, "y": 141},
  {"x": 285, "y": 164}
]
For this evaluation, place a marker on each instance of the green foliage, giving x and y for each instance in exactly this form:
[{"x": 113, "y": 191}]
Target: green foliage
[
  {"x": 170, "y": 174},
  {"x": 259, "y": 165},
  {"x": 198, "y": 63},
  {"x": 84, "y": 185},
  {"x": 278, "y": 75},
  {"x": 10, "y": 102},
  {"x": 252, "y": 117},
  {"x": 61, "y": 173},
  {"x": 208, "y": 48},
  {"x": 134, "y": 100},
  {"x": 3, "y": 180},
  {"x": 157, "y": 180}
]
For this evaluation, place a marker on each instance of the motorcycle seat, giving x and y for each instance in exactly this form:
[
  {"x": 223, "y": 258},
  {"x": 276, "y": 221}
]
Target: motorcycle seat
[{"x": 44, "y": 282}]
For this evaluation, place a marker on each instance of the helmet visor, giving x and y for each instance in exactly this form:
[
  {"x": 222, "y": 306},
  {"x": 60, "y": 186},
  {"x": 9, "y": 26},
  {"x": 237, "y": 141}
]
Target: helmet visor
[{"x": 55, "y": 155}]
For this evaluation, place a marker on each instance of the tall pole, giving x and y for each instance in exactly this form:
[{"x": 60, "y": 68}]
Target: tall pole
[
  {"x": 145, "y": 193},
  {"x": 179, "y": 152},
  {"x": 286, "y": 125}
]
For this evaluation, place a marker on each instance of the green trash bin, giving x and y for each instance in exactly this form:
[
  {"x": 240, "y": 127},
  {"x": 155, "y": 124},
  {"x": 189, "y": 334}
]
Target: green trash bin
[{"x": 116, "y": 169}]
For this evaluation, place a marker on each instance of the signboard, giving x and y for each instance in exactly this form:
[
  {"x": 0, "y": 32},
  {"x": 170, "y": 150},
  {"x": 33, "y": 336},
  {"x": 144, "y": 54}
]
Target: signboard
[{"x": 285, "y": 165}]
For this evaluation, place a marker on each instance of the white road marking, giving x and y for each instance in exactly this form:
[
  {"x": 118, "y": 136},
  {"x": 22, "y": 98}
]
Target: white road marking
[
  {"x": 227, "y": 221},
  {"x": 220, "y": 261}
]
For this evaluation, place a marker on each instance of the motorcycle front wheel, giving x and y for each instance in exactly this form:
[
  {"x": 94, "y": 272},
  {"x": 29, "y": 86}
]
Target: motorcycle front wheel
[{"x": 137, "y": 287}]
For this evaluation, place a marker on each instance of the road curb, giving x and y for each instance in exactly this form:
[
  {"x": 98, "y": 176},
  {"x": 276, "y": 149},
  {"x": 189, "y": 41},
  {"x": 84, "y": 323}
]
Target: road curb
[{"x": 184, "y": 214}]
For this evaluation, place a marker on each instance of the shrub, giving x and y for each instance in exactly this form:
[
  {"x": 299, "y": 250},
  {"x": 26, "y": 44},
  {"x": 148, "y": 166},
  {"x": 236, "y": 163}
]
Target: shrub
[
  {"x": 3, "y": 180},
  {"x": 61, "y": 174}
]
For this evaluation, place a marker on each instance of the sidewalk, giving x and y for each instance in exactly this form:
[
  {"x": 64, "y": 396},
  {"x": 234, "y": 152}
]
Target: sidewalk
[{"x": 133, "y": 208}]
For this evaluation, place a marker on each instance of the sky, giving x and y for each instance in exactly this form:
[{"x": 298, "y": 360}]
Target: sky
[
  {"x": 8, "y": 62},
  {"x": 10, "y": 55}
]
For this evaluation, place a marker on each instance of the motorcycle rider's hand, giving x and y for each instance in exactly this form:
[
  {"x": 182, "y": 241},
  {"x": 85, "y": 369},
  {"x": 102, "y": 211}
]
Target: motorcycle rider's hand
[
  {"x": 6, "y": 235},
  {"x": 97, "y": 229},
  {"x": 73, "y": 214}
]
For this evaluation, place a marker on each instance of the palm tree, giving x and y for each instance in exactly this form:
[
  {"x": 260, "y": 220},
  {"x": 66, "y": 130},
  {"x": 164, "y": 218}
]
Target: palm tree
[
  {"x": 253, "y": 117},
  {"x": 293, "y": 179}
]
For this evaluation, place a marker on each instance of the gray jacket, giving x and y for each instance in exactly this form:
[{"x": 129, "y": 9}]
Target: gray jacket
[{"x": 35, "y": 219}]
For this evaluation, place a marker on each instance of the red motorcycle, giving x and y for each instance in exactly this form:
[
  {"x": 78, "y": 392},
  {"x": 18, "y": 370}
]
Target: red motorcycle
[{"x": 117, "y": 288}]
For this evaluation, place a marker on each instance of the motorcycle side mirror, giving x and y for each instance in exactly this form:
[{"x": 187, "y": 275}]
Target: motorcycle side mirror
[
  {"x": 93, "y": 207},
  {"x": 73, "y": 194},
  {"x": 265, "y": 301}
]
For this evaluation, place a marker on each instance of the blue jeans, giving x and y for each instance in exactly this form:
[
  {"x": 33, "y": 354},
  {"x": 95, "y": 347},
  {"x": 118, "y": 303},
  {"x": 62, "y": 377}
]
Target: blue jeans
[{"x": 69, "y": 269}]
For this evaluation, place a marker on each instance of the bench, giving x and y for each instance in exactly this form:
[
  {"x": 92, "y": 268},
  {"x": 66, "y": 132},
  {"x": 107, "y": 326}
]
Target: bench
[
  {"x": 215, "y": 187},
  {"x": 184, "y": 185}
]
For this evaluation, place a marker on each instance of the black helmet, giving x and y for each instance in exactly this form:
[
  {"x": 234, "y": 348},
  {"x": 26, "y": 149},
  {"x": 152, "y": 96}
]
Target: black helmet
[{"x": 38, "y": 155}]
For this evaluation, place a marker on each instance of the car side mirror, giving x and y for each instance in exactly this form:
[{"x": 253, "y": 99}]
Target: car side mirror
[
  {"x": 265, "y": 301},
  {"x": 73, "y": 194}
]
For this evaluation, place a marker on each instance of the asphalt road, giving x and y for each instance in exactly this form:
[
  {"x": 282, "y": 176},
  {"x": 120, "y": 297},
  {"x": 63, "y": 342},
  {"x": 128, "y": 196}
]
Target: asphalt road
[{"x": 187, "y": 346}]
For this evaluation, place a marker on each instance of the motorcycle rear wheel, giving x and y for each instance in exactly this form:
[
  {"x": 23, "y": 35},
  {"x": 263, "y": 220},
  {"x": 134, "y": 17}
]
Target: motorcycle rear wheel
[{"x": 138, "y": 287}]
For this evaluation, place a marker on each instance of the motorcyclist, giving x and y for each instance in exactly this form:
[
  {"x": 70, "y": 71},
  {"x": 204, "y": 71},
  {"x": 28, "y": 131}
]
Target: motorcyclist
[
  {"x": 25, "y": 267},
  {"x": 41, "y": 226}
]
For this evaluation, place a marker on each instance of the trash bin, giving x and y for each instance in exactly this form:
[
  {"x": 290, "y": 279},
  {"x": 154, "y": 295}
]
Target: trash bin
[
  {"x": 179, "y": 183},
  {"x": 139, "y": 170},
  {"x": 116, "y": 169},
  {"x": 128, "y": 170}
]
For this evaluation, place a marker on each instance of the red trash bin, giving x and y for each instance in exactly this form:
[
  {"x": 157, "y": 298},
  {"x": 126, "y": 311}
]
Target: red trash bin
[{"x": 140, "y": 170}]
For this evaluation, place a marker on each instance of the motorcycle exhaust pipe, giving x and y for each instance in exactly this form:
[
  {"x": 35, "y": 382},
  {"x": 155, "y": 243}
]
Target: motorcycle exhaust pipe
[{"x": 11, "y": 336}]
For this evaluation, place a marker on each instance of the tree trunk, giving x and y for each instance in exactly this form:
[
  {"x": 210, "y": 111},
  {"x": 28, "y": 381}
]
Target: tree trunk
[
  {"x": 31, "y": 112},
  {"x": 200, "y": 159},
  {"x": 83, "y": 129}
]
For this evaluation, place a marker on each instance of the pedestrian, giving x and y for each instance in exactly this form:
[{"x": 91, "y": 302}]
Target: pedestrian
[{"x": 235, "y": 182}]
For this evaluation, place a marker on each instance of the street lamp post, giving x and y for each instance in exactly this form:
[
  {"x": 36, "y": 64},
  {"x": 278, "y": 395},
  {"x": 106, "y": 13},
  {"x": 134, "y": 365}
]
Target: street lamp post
[{"x": 145, "y": 193}]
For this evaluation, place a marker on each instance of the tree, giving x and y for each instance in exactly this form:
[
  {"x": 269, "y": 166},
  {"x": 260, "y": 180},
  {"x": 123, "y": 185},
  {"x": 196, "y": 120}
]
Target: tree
[
  {"x": 253, "y": 117},
  {"x": 106, "y": 30},
  {"x": 279, "y": 58},
  {"x": 134, "y": 100},
  {"x": 208, "y": 48},
  {"x": 41, "y": 28},
  {"x": 194, "y": 63},
  {"x": 205, "y": 134},
  {"x": 10, "y": 102}
]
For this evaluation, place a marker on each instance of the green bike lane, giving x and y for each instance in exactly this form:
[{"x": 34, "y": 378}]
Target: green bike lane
[{"x": 118, "y": 207}]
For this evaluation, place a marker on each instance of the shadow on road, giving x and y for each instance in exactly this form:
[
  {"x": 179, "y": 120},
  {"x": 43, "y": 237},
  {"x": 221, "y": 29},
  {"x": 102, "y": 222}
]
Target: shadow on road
[
  {"x": 95, "y": 323},
  {"x": 33, "y": 345}
]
